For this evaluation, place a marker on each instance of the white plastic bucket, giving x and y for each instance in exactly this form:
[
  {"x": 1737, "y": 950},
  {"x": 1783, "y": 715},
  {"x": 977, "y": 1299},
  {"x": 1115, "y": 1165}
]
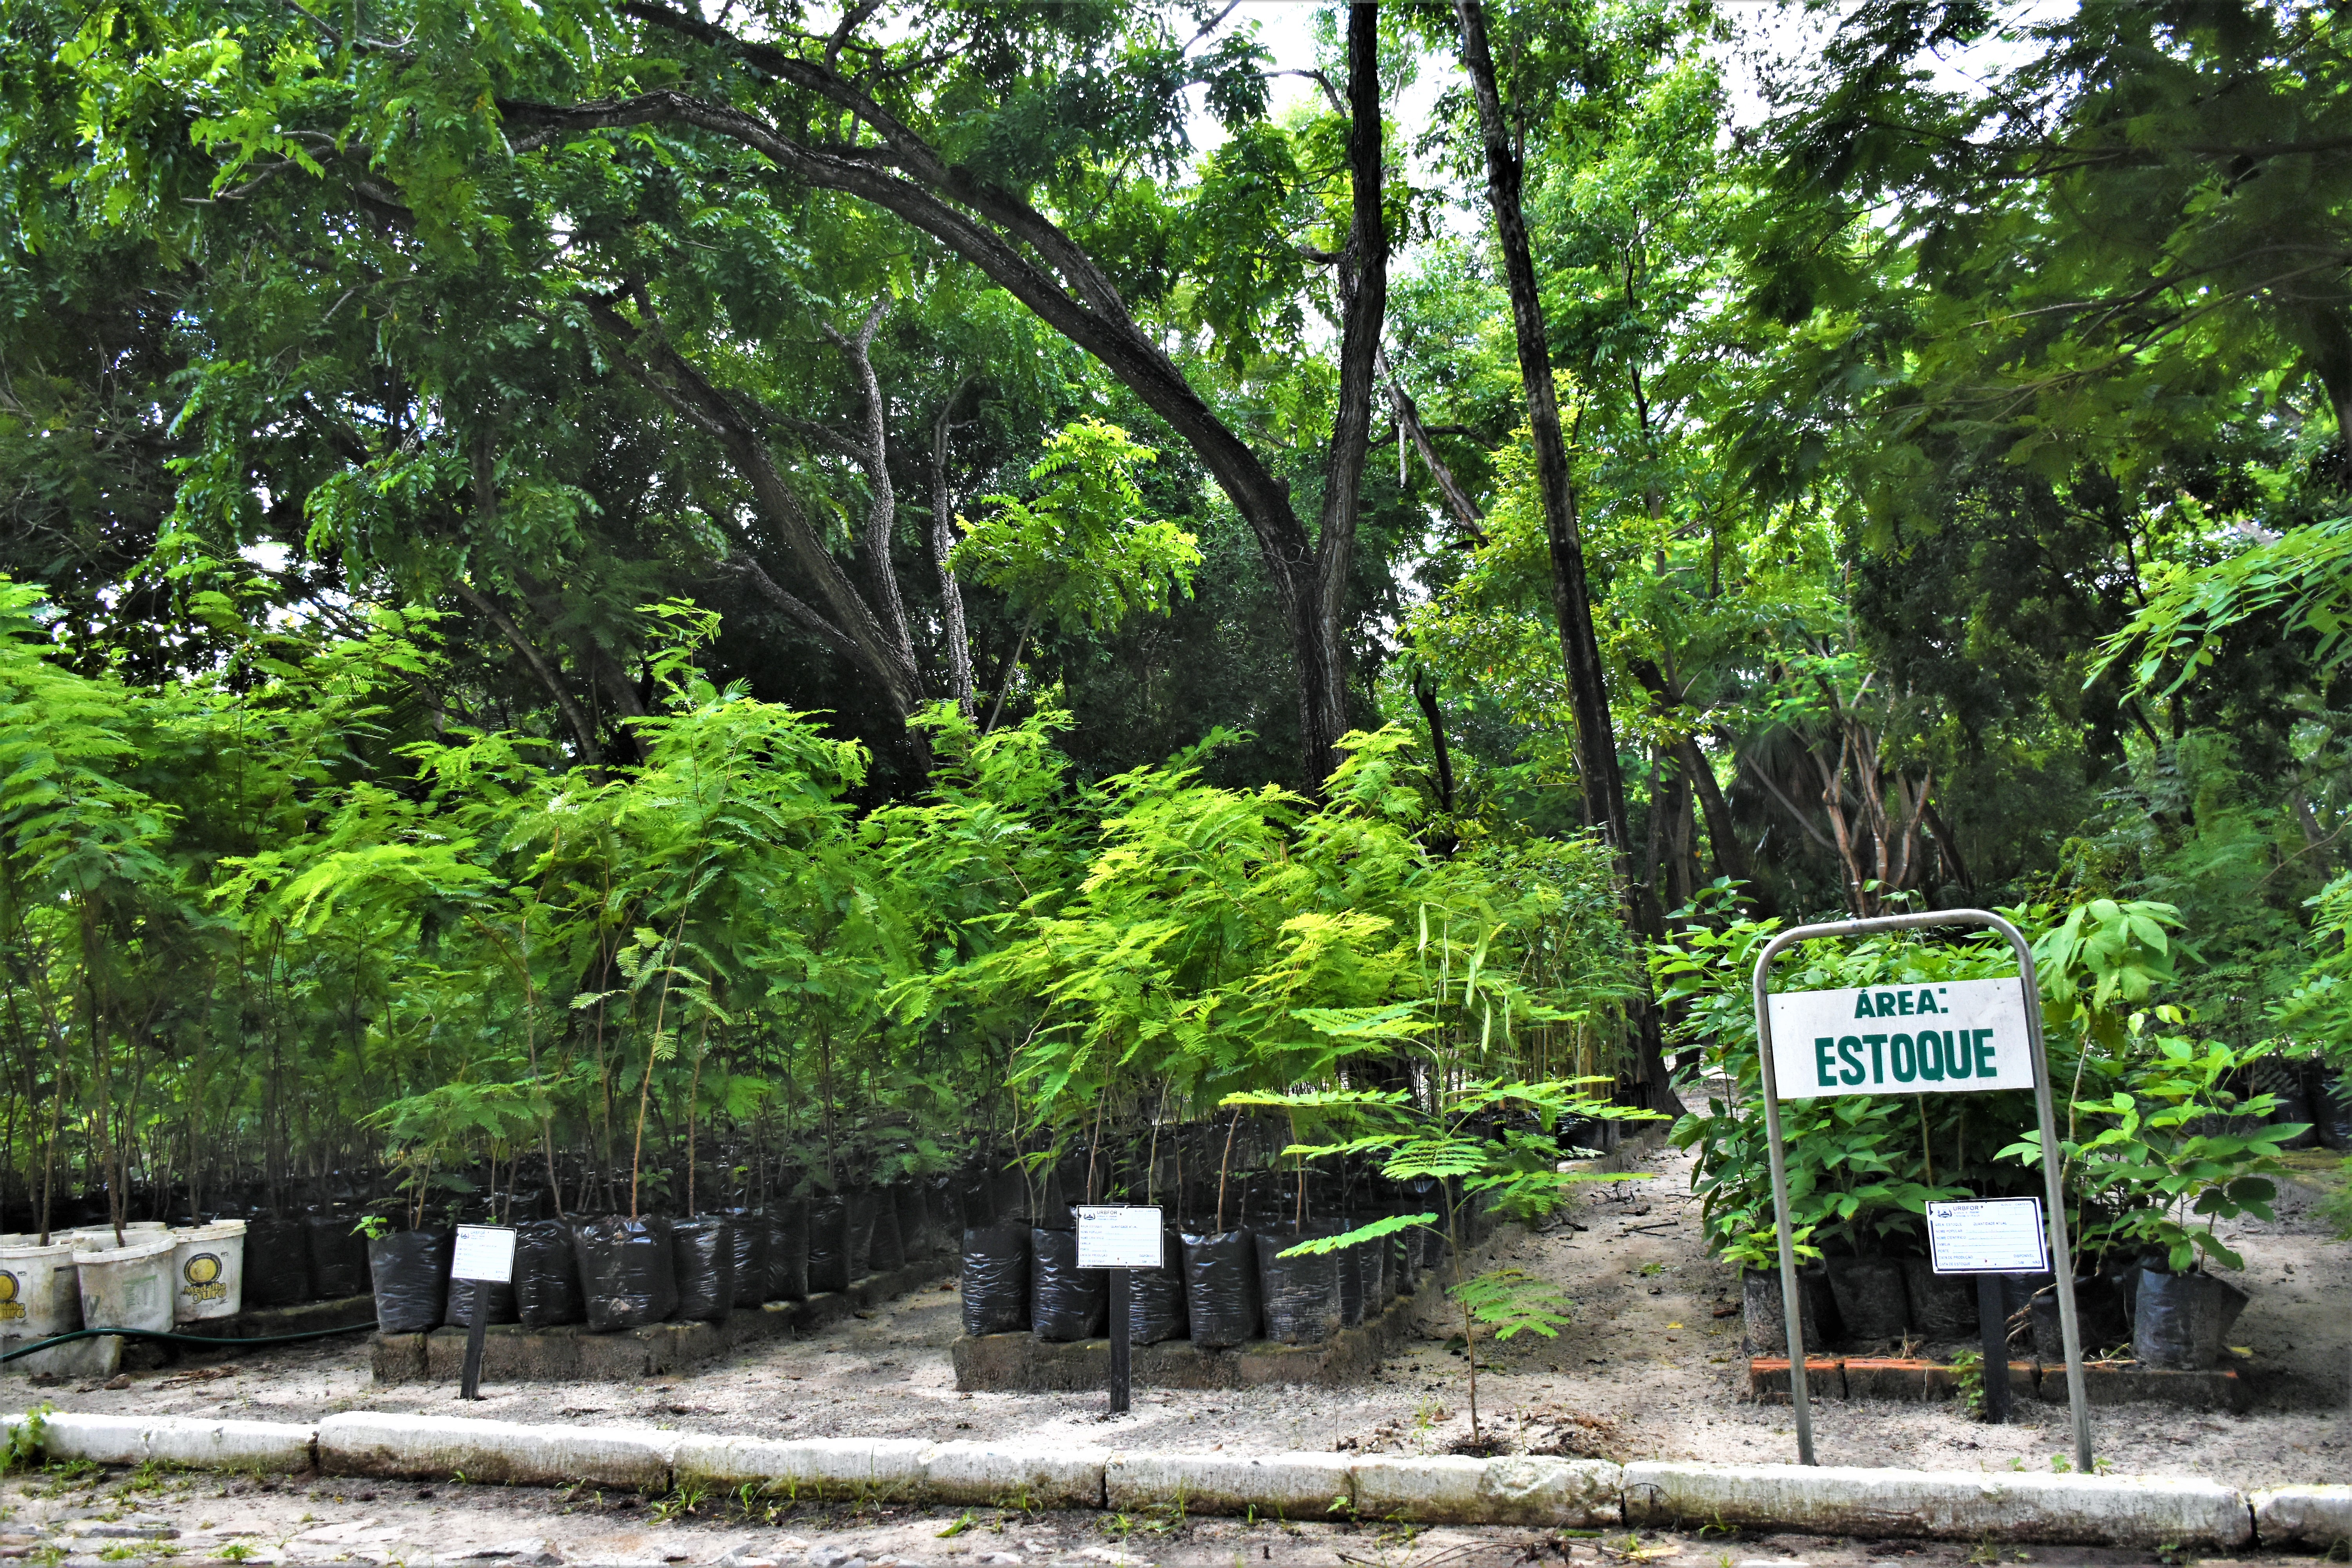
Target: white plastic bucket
[
  {"x": 40, "y": 1296},
  {"x": 124, "y": 1287},
  {"x": 127, "y": 1287},
  {"x": 97, "y": 1240},
  {"x": 208, "y": 1271}
]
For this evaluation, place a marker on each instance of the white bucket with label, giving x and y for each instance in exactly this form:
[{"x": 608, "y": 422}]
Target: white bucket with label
[
  {"x": 208, "y": 1271},
  {"x": 126, "y": 1287},
  {"x": 40, "y": 1296}
]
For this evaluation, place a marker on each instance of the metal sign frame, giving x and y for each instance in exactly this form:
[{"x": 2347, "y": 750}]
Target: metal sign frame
[{"x": 2061, "y": 1253}]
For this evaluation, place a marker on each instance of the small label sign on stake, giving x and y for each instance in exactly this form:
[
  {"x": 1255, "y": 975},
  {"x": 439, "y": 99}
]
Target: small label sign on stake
[
  {"x": 1119, "y": 1237},
  {"x": 1997, "y": 1235},
  {"x": 484, "y": 1252},
  {"x": 485, "y": 1255}
]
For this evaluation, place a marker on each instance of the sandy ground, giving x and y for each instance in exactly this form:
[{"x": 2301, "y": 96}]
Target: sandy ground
[{"x": 1646, "y": 1370}]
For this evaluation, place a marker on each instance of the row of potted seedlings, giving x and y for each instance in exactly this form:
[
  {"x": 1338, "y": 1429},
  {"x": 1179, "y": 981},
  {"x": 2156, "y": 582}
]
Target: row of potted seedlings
[
  {"x": 1221, "y": 1285},
  {"x": 612, "y": 1272},
  {"x": 2166, "y": 1320}
]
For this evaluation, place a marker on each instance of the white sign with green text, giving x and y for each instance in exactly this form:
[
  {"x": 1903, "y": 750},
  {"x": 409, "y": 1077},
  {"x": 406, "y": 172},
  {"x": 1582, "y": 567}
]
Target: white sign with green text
[{"x": 1935, "y": 1039}]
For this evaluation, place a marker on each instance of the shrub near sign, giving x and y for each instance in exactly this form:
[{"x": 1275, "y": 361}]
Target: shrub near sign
[{"x": 1958, "y": 1035}]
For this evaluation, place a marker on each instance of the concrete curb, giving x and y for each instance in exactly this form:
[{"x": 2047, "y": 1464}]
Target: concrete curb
[
  {"x": 2121, "y": 1510},
  {"x": 1518, "y": 1489},
  {"x": 999, "y": 1473},
  {"x": 178, "y": 1440},
  {"x": 2319, "y": 1518},
  {"x": 430, "y": 1447},
  {"x": 1278, "y": 1486},
  {"x": 887, "y": 1468},
  {"x": 2117, "y": 1510}
]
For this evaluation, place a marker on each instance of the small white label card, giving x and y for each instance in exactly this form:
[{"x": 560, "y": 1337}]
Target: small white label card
[
  {"x": 1119, "y": 1237},
  {"x": 484, "y": 1252},
  {"x": 1997, "y": 1236}
]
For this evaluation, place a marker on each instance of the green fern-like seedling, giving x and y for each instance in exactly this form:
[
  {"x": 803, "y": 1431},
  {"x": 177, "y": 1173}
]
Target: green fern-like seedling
[{"x": 1511, "y": 1301}]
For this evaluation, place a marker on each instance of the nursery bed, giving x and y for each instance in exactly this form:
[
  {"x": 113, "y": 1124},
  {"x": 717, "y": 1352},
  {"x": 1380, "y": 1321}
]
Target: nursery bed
[
  {"x": 513, "y": 1353},
  {"x": 1645, "y": 1371},
  {"x": 1914, "y": 1379},
  {"x": 1021, "y": 1362}
]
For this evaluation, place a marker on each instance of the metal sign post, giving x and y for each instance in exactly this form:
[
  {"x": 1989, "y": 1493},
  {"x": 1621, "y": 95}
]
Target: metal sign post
[
  {"x": 1119, "y": 1238},
  {"x": 1949, "y": 1037},
  {"x": 485, "y": 1256}
]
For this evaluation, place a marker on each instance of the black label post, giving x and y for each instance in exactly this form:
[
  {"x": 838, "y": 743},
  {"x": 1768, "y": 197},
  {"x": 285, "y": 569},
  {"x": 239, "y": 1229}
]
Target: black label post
[
  {"x": 1992, "y": 1320},
  {"x": 1121, "y": 1364},
  {"x": 469, "y": 1382}
]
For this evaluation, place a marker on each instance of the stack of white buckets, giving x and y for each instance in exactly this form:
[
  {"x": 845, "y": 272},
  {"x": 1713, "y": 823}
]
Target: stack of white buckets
[{"x": 152, "y": 1278}]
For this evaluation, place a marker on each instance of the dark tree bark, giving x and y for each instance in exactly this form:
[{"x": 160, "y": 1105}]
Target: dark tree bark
[
  {"x": 1598, "y": 774},
  {"x": 1682, "y": 861},
  {"x": 1439, "y": 751},
  {"x": 1948, "y": 845},
  {"x": 1730, "y": 854},
  {"x": 576, "y": 719},
  {"x": 1363, "y": 290},
  {"x": 1027, "y": 254},
  {"x": 1722, "y": 835}
]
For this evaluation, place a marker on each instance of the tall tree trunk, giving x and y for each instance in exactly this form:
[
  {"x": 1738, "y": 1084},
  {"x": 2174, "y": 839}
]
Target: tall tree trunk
[
  {"x": 1730, "y": 855},
  {"x": 953, "y": 630},
  {"x": 1363, "y": 311},
  {"x": 1680, "y": 831},
  {"x": 874, "y": 643},
  {"x": 1440, "y": 752},
  {"x": 872, "y": 454},
  {"x": 1948, "y": 846},
  {"x": 1722, "y": 835},
  {"x": 1603, "y": 784}
]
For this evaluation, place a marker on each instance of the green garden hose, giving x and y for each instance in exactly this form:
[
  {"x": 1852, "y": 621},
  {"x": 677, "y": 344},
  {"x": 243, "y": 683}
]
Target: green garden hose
[{"x": 182, "y": 1338}]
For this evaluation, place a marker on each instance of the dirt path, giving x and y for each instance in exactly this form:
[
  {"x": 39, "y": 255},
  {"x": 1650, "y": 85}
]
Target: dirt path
[{"x": 1646, "y": 1370}]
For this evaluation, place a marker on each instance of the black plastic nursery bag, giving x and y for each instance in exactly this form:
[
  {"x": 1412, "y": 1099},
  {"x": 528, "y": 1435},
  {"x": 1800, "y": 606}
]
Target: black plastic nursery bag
[{"x": 627, "y": 1273}]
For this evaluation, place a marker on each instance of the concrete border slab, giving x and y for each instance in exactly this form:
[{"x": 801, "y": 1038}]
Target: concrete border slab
[
  {"x": 1270, "y": 1485},
  {"x": 2319, "y": 1518},
  {"x": 880, "y": 1468},
  {"x": 442, "y": 1446},
  {"x": 1519, "y": 1489},
  {"x": 1005, "y": 1475},
  {"x": 189, "y": 1441},
  {"x": 2119, "y": 1510}
]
